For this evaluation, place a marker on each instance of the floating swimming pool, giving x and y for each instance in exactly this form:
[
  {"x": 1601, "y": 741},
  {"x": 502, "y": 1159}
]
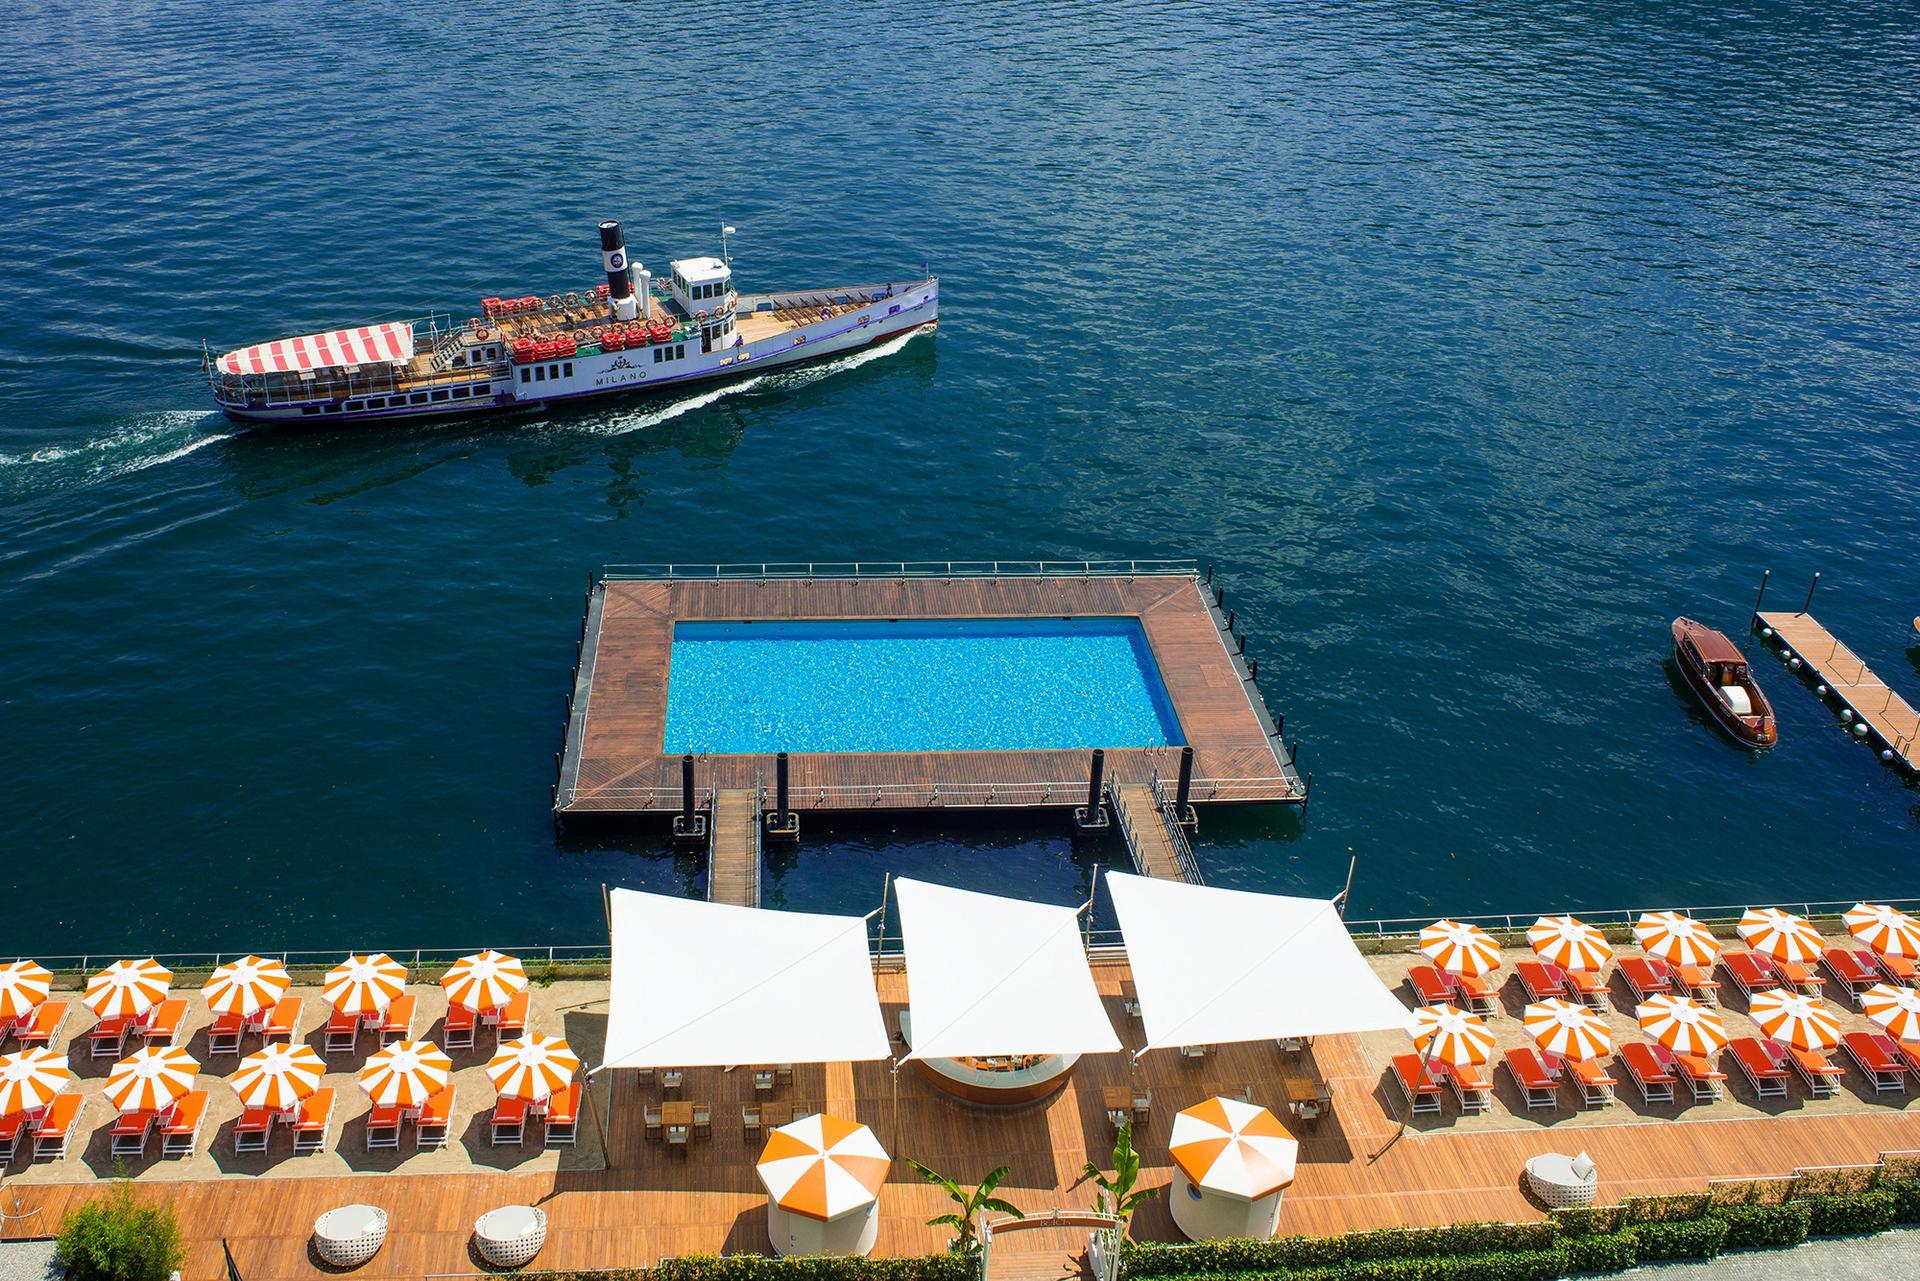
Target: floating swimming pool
[{"x": 919, "y": 685}]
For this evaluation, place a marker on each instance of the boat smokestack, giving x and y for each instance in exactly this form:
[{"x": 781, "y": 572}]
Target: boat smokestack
[{"x": 613, "y": 253}]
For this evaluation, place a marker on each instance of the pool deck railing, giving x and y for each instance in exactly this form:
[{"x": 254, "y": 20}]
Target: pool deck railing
[{"x": 613, "y": 759}]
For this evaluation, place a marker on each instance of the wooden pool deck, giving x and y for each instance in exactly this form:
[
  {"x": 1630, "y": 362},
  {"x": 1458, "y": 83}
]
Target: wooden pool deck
[
  {"x": 1851, "y": 681},
  {"x": 614, "y": 760},
  {"x": 650, "y": 1201}
]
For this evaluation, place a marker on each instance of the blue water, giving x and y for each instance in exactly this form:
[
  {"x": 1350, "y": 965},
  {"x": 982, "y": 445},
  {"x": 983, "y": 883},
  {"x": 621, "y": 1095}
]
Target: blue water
[
  {"x": 942, "y": 685},
  {"x": 1472, "y": 342}
]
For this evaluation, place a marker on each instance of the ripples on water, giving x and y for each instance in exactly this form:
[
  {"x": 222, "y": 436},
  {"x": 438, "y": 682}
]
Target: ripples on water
[{"x": 1474, "y": 342}]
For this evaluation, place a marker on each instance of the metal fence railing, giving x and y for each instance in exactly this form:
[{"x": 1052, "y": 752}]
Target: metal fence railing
[
  {"x": 1408, "y": 926},
  {"x": 903, "y": 569}
]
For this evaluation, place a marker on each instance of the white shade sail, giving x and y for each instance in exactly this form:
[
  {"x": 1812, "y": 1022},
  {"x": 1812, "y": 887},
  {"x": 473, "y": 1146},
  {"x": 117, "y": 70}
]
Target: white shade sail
[
  {"x": 989, "y": 975},
  {"x": 1213, "y": 966},
  {"x": 712, "y": 985}
]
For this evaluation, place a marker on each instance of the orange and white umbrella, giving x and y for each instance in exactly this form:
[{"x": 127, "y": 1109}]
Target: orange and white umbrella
[
  {"x": 30, "y": 1078},
  {"x": 1683, "y": 1025},
  {"x": 364, "y": 984},
  {"x": 127, "y": 989},
  {"x": 1455, "y": 1036},
  {"x": 1781, "y": 935},
  {"x": 1569, "y": 1030},
  {"x": 1569, "y": 943},
  {"x": 405, "y": 1074},
  {"x": 278, "y": 1076},
  {"x": 246, "y": 986},
  {"x": 1897, "y": 1009},
  {"x": 533, "y": 1068},
  {"x": 23, "y": 985},
  {"x": 152, "y": 1078},
  {"x": 1802, "y": 1021},
  {"x": 1886, "y": 930},
  {"x": 1234, "y": 1148},
  {"x": 1677, "y": 939},
  {"x": 823, "y": 1167},
  {"x": 1460, "y": 948},
  {"x": 484, "y": 981}
]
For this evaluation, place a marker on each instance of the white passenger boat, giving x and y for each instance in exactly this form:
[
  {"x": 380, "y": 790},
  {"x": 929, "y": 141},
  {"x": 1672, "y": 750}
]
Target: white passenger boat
[{"x": 634, "y": 332}]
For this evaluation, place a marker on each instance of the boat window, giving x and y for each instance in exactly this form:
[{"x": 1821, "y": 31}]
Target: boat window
[
  {"x": 333, "y": 409},
  {"x": 442, "y": 394},
  {"x": 459, "y": 393},
  {"x": 569, "y": 369},
  {"x": 311, "y": 409},
  {"x": 539, "y": 373},
  {"x": 353, "y": 405},
  {"x": 377, "y": 402},
  {"x": 526, "y": 375},
  {"x": 418, "y": 398}
]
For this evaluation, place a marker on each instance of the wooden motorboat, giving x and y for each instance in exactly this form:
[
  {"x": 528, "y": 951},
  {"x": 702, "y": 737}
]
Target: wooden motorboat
[{"x": 1716, "y": 671}]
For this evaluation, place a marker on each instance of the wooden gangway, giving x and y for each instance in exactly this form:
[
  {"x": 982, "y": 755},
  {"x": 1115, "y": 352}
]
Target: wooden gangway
[
  {"x": 733, "y": 848},
  {"x": 1851, "y": 681},
  {"x": 1158, "y": 846}
]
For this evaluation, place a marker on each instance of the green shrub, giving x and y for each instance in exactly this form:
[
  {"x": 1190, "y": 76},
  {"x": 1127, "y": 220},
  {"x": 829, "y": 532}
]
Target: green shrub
[
  {"x": 1588, "y": 1220},
  {"x": 1851, "y": 1213},
  {"x": 1513, "y": 1265},
  {"x": 1665, "y": 1209},
  {"x": 1680, "y": 1239},
  {"x": 1757, "y": 1226},
  {"x": 1906, "y": 1198},
  {"x": 1229, "y": 1257},
  {"x": 756, "y": 1267},
  {"x": 1601, "y": 1252},
  {"x": 116, "y": 1238}
]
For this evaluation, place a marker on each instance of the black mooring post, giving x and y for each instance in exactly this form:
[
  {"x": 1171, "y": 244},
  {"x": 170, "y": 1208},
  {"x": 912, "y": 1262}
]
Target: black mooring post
[
  {"x": 1253, "y": 670},
  {"x": 688, "y": 825},
  {"x": 1280, "y": 725},
  {"x": 780, "y": 788},
  {"x": 1094, "y": 814},
  {"x": 686, "y": 787},
  {"x": 1808, "y": 603},
  {"x": 1229, "y": 622},
  {"x": 1240, "y": 643},
  {"x": 1209, "y": 571},
  {"x": 1184, "y": 789},
  {"x": 1219, "y": 598}
]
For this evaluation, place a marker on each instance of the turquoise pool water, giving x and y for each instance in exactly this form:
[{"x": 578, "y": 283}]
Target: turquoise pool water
[{"x": 923, "y": 685}]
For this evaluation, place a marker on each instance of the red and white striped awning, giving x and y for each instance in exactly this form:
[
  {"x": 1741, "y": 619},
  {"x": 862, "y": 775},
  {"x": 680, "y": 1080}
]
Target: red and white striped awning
[{"x": 367, "y": 345}]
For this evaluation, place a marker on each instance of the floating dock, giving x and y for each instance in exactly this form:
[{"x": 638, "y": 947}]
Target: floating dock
[
  {"x": 614, "y": 762},
  {"x": 1875, "y": 704}
]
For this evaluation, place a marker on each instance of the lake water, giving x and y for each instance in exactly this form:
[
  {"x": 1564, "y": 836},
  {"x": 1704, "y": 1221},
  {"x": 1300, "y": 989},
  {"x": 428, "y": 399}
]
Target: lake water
[{"x": 1471, "y": 343}]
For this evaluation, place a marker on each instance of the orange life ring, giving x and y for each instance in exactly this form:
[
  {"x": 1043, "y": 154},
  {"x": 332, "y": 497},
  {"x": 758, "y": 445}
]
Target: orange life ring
[
  {"x": 580, "y": 337},
  {"x": 554, "y": 302},
  {"x": 480, "y": 335},
  {"x": 573, "y": 299},
  {"x": 473, "y": 324}
]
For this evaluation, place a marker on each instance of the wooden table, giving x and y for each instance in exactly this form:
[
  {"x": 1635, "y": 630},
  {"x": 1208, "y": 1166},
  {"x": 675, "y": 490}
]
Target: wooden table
[
  {"x": 1118, "y": 1101},
  {"x": 1308, "y": 1098},
  {"x": 676, "y": 1115}
]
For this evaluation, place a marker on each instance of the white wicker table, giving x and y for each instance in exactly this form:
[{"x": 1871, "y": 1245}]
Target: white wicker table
[
  {"x": 510, "y": 1236},
  {"x": 350, "y": 1235},
  {"x": 1561, "y": 1180}
]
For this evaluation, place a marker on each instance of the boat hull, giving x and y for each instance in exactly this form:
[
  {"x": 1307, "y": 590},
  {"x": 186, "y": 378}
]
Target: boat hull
[{"x": 1735, "y": 727}]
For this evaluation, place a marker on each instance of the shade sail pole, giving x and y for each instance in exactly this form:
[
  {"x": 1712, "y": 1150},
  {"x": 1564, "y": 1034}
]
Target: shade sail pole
[
  {"x": 599, "y": 1122},
  {"x": 1406, "y": 1110}
]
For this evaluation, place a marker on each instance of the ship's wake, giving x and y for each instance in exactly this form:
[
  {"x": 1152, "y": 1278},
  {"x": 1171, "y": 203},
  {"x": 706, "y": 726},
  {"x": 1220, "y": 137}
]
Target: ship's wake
[{"x": 143, "y": 441}]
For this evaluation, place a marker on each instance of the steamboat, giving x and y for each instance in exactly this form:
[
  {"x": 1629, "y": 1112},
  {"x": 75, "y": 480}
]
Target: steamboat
[{"x": 632, "y": 332}]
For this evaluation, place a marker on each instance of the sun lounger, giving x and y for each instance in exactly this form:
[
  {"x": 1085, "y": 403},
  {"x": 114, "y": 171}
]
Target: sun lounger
[
  {"x": 1477, "y": 995},
  {"x": 44, "y": 1027},
  {"x": 1432, "y": 985},
  {"x": 1698, "y": 983},
  {"x": 130, "y": 1133},
  {"x": 436, "y": 1116},
  {"x": 563, "y": 1117},
  {"x": 1702, "y": 1079},
  {"x": 284, "y": 1023},
  {"x": 383, "y": 1129},
  {"x": 1874, "y": 1054},
  {"x": 1801, "y": 978},
  {"x": 1590, "y": 988},
  {"x": 1645, "y": 975},
  {"x": 54, "y": 1130},
  {"x": 1530, "y": 1077},
  {"x": 1766, "y": 1074},
  {"x": 163, "y": 1027},
  {"x": 180, "y": 1132},
  {"x": 1469, "y": 1086},
  {"x": 1909, "y": 1052},
  {"x": 310, "y": 1124},
  {"x": 253, "y": 1129},
  {"x": 457, "y": 1032},
  {"x": 1541, "y": 981},
  {"x": 1652, "y": 1079},
  {"x": 108, "y": 1037},
  {"x": 397, "y": 1023},
  {"x": 223, "y": 1034},
  {"x": 513, "y": 1019},
  {"x": 1596, "y": 1087},
  {"x": 1854, "y": 971},
  {"x": 509, "y": 1122},
  {"x": 1426, "y": 1095},
  {"x": 1900, "y": 971},
  {"x": 1751, "y": 972},
  {"x": 1820, "y": 1073},
  {"x": 343, "y": 1034},
  {"x": 11, "y": 1128}
]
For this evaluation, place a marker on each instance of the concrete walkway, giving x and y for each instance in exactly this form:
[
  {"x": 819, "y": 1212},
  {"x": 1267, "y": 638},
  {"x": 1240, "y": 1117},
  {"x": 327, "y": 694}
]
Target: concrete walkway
[{"x": 1880, "y": 1258}]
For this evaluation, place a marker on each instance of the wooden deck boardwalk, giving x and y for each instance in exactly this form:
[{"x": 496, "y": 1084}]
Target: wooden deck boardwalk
[
  {"x": 1145, "y": 830},
  {"x": 614, "y": 759},
  {"x": 1886, "y": 713},
  {"x": 733, "y": 858},
  {"x": 654, "y": 1200}
]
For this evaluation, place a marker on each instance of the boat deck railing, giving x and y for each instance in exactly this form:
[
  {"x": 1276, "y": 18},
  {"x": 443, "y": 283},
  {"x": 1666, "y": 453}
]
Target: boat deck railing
[{"x": 806, "y": 570}]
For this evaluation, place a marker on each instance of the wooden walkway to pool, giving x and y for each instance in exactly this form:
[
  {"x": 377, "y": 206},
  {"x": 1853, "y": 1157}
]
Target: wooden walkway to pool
[
  {"x": 614, "y": 760},
  {"x": 1852, "y": 682},
  {"x": 733, "y": 851}
]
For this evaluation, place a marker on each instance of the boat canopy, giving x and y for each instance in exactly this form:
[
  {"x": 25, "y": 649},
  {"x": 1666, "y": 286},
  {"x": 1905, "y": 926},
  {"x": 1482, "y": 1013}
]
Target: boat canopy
[
  {"x": 367, "y": 345},
  {"x": 1713, "y": 647}
]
